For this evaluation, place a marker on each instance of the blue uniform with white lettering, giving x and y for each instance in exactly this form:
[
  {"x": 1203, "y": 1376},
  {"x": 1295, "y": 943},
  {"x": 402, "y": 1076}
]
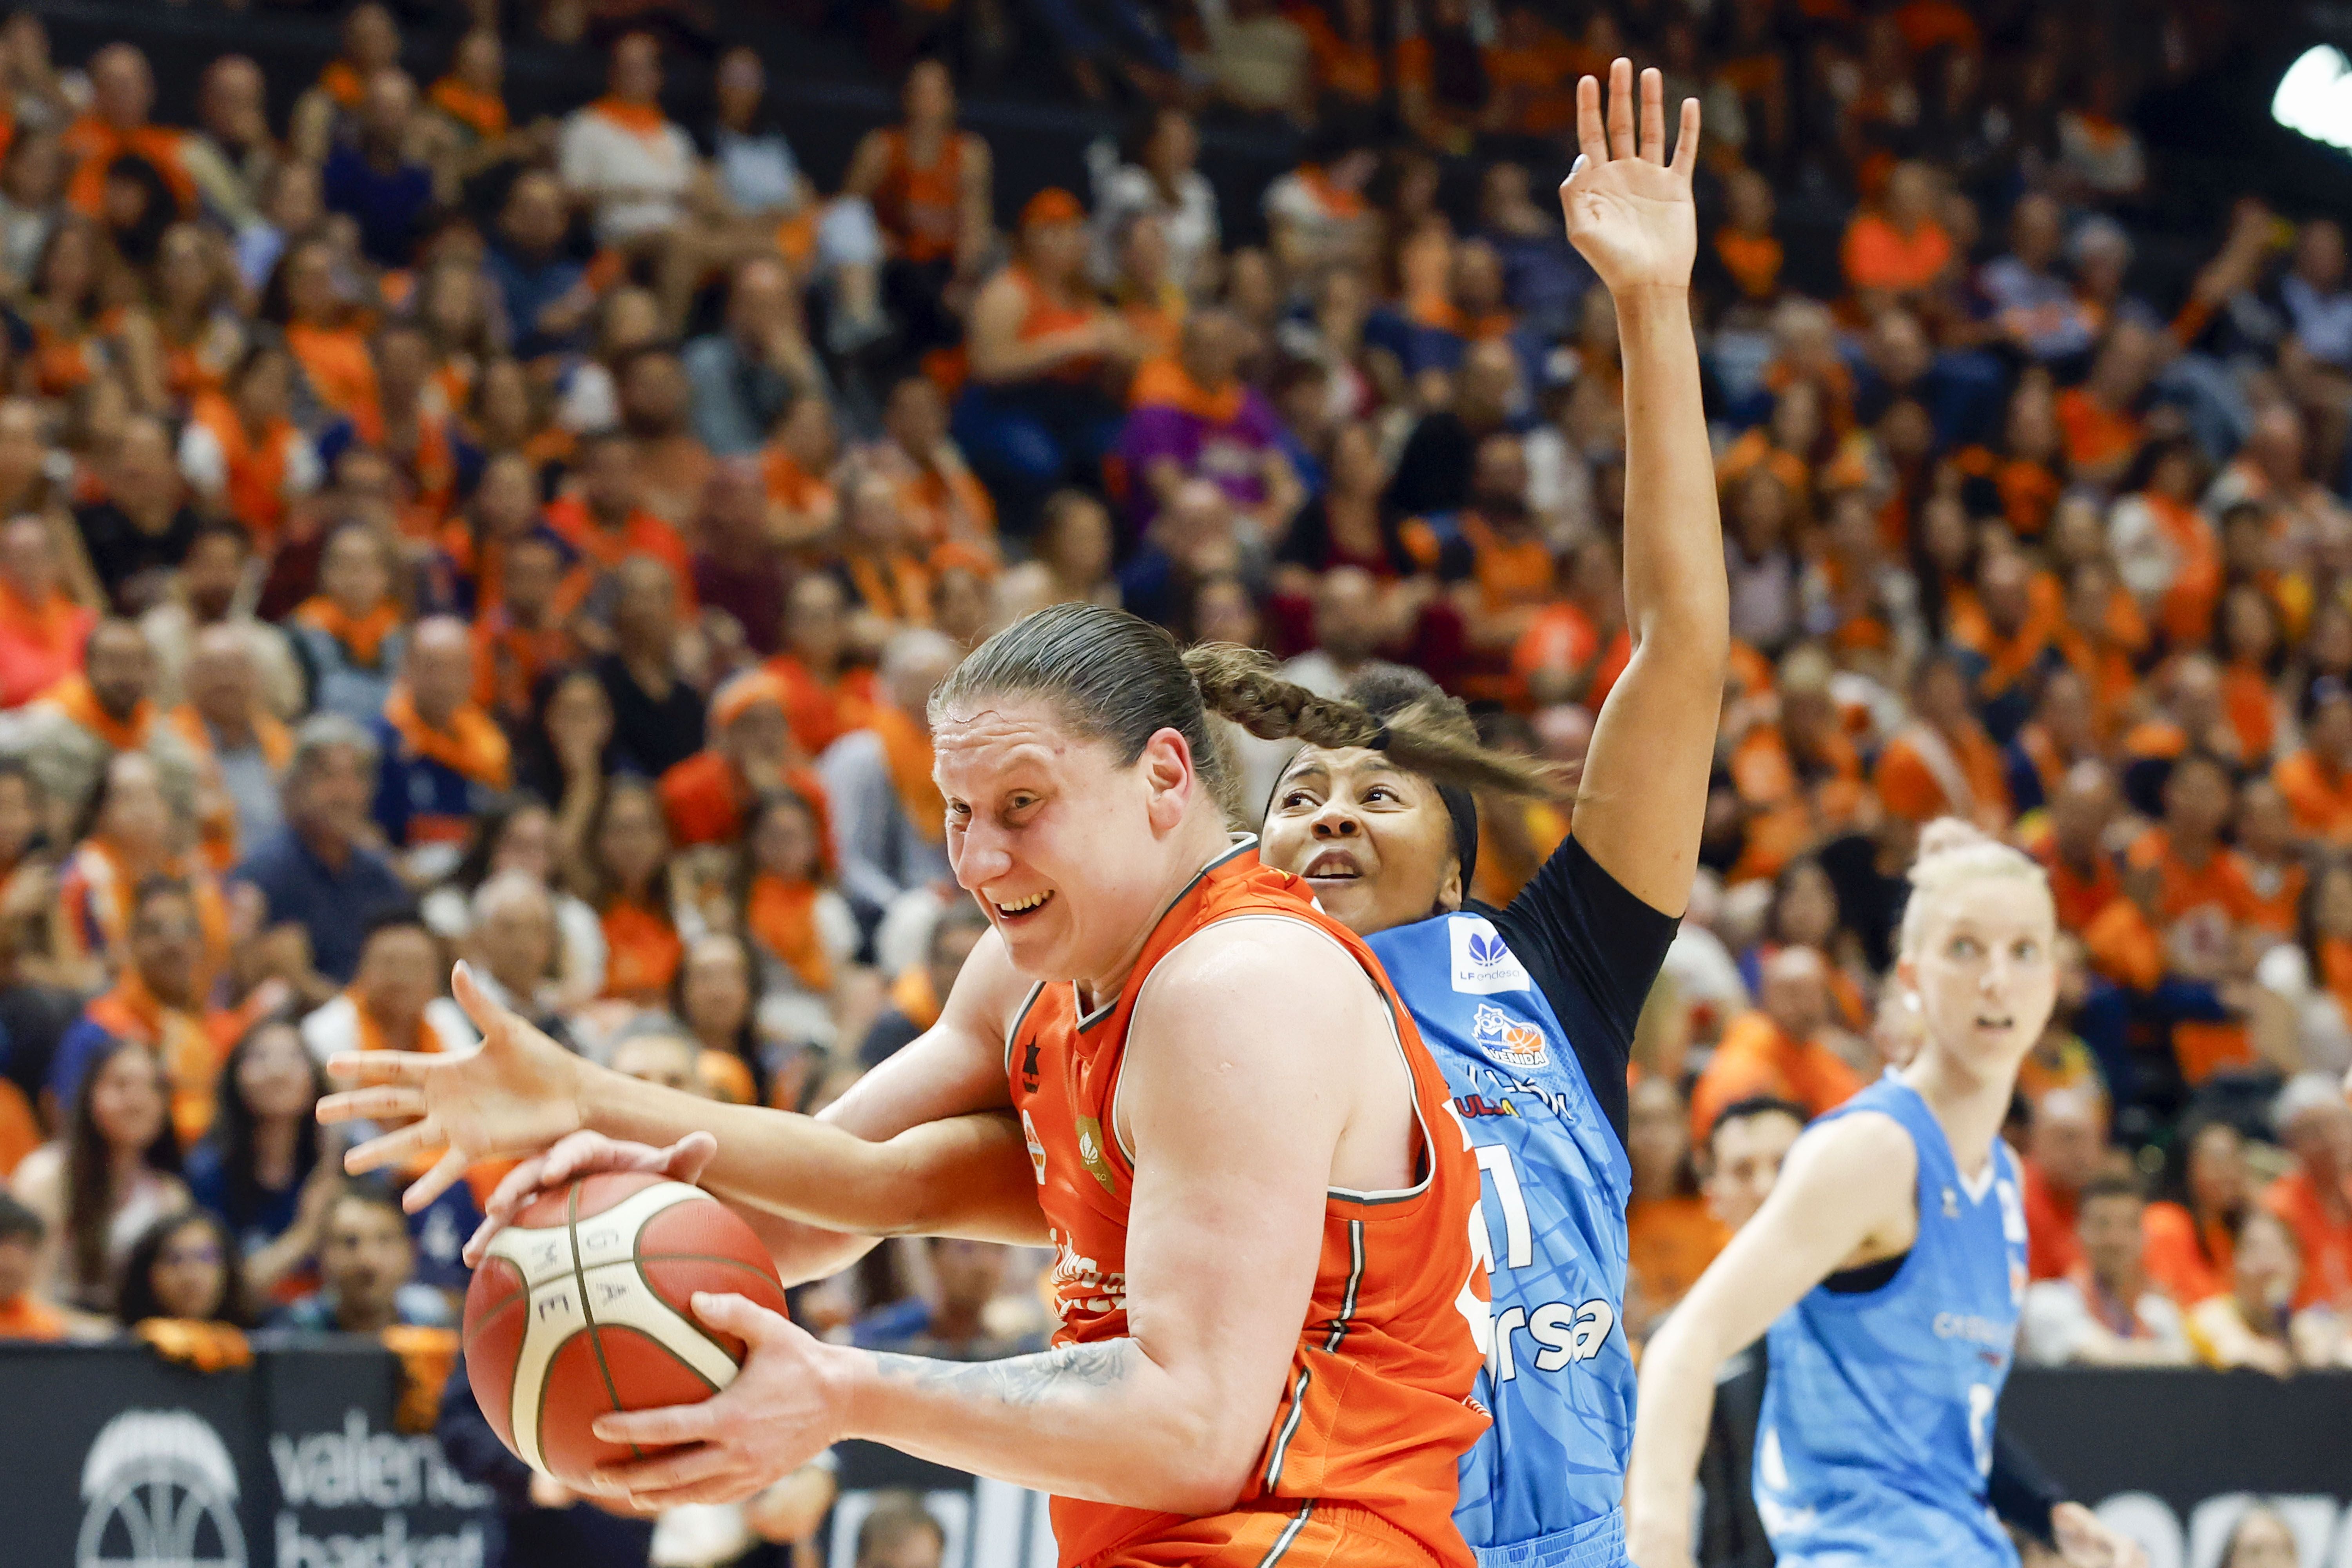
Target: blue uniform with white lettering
[
  {"x": 1544, "y": 1488},
  {"x": 1877, "y": 1428}
]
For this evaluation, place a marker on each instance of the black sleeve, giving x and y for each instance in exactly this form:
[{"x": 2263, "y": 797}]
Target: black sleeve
[
  {"x": 2020, "y": 1492},
  {"x": 473, "y": 1448},
  {"x": 1593, "y": 950}
]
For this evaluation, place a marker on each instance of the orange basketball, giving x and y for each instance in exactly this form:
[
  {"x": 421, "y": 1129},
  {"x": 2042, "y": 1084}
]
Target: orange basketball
[{"x": 584, "y": 1307}]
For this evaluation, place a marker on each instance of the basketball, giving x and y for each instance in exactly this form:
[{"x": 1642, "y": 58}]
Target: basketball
[{"x": 584, "y": 1307}]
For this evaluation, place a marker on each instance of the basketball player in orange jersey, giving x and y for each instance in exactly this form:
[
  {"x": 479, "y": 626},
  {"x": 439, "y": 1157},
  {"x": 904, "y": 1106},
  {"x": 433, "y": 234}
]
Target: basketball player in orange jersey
[{"x": 1271, "y": 1314}]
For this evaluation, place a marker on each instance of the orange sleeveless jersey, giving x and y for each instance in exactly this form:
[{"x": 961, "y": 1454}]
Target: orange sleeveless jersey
[
  {"x": 1359, "y": 1461},
  {"x": 921, "y": 204}
]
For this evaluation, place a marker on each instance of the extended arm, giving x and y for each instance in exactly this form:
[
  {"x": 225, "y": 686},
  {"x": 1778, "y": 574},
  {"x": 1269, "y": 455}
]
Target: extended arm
[
  {"x": 803, "y": 1181},
  {"x": 1238, "y": 1134},
  {"x": 1643, "y": 799},
  {"x": 1847, "y": 1187}
]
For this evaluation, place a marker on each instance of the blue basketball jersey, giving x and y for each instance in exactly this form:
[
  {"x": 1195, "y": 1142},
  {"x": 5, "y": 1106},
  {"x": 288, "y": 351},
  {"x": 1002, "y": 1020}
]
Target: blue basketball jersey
[
  {"x": 1876, "y": 1433},
  {"x": 1544, "y": 1488}
]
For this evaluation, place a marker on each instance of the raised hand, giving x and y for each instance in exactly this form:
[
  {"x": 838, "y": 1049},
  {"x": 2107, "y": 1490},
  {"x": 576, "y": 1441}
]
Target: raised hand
[
  {"x": 516, "y": 1095},
  {"x": 1629, "y": 209}
]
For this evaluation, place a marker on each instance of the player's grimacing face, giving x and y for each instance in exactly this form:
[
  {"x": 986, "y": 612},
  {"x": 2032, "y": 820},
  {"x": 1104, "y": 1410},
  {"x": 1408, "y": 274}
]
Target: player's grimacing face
[
  {"x": 1374, "y": 844},
  {"x": 1055, "y": 838},
  {"x": 1986, "y": 969}
]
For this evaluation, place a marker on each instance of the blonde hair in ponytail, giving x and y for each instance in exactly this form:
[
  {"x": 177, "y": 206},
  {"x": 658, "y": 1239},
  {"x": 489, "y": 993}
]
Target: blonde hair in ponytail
[
  {"x": 1244, "y": 685},
  {"x": 1951, "y": 852}
]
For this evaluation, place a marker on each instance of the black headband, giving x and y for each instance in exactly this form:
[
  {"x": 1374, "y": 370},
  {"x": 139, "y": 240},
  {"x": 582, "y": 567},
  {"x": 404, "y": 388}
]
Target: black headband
[{"x": 1463, "y": 808}]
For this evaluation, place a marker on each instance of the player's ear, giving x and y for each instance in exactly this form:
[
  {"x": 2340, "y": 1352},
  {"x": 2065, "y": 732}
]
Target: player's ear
[
  {"x": 1450, "y": 890},
  {"x": 1170, "y": 776}
]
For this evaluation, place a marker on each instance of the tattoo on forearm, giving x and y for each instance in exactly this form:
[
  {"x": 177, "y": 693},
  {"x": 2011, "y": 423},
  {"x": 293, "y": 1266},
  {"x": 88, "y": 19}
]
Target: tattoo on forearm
[{"x": 1021, "y": 1381}]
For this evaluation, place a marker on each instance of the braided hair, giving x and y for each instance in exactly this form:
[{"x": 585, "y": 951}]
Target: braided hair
[{"x": 1118, "y": 679}]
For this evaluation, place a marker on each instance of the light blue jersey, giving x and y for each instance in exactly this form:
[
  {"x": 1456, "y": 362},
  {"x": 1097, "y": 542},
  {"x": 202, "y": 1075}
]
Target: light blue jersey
[
  {"x": 1877, "y": 1426},
  {"x": 1544, "y": 1486}
]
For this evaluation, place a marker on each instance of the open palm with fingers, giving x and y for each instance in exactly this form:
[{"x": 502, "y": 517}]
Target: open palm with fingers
[
  {"x": 1628, "y": 208},
  {"x": 516, "y": 1095}
]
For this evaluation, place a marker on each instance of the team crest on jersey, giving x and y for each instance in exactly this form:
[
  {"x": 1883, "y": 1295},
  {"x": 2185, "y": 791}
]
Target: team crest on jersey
[
  {"x": 1090, "y": 1153},
  {"x": 1514, "y": 1042},
  {"x": 1483, "y": 964}
]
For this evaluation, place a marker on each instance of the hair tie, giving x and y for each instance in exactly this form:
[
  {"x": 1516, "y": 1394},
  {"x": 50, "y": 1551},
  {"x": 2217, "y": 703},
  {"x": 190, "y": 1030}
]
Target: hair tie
[{"x": 1380, "y": 741}]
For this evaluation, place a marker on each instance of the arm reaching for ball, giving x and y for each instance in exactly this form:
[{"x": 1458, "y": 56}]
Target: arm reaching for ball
[{"x": 915, "y": 1147}]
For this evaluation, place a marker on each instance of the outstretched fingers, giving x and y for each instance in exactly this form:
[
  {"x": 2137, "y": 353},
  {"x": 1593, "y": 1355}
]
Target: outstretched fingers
[
  {"x": 1686, "y": 141},
  {"x": 1621, "y": 109},
  {"x": 395, "y": 1148},
  {"x": 389, "y": 1103},
  {"x": 1654, "y": 116},
  {"x": 488, "y": 1017},
  {"x": 447, "y": 1171},
  {"x": 1591, "y": 139},
  {"x": 380, "y": 1067}
]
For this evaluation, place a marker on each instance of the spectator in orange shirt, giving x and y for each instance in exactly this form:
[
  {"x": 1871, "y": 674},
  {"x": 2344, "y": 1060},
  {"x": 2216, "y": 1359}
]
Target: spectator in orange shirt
[
  {"x": 1899, "y": 248},
  {"x": 2315, "y": 1198},
  {"x": 123, "y": 93},
  {"x": 2316, "y": 779},
  {"x": 2064, "y": 1142},
  {"x": 2083, "y": 875},
  {"x": 1671, "y": 1235},
  {"x": 2274, "y": 868},
  {"x": 2100, "y": 419},
  {"x": 2191, "y": 1242},
  {"x": 2198, "y": 874},
  {"x": 1776, "y": 1049},
  {"x": 1943, "y": 763},
  {"x": 23, "y": 1314},
  {"x": 707, "y": 798},
  {"x": 824, "y": 698},
  {"x": 42, "y": 630}
]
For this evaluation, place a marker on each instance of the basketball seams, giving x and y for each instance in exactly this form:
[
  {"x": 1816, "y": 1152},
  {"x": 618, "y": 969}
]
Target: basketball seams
[
  {"x": 583, "y": 1290},
  {"x": 588, "y": 1313}
]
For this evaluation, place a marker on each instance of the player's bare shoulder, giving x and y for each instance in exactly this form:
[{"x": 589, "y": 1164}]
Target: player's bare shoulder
[{"x": 1272, "y": 973}]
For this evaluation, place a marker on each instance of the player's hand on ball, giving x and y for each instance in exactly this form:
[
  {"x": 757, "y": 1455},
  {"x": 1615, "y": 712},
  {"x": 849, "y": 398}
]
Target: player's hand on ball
[
  {"x": 516, "y": 1095},
  {"x": 1629, "y": 209},
  {"x": 2085, "y": 1542},
  {"x": 581, "y": 1154},
  {"x": 783, "y": 1409}
]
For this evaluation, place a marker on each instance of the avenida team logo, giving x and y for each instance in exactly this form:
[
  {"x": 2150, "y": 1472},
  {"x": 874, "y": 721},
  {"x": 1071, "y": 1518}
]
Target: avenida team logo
[
  {"x": 1513, "y": 1042},
  {"x": 159, "y": 1490}
]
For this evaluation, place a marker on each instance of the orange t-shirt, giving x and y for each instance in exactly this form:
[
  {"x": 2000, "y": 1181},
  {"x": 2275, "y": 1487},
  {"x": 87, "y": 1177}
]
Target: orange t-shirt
[
  {"x": 921, "y": 205},
  {"x": 1910, "y": 788},
  {"x": 1669, "y": 1243},
  {"x": 1374, "y": 1413},
  {"x": 2051, "y": 1247},
  {"x": 2319, "y": 796},
  {"x": 643, "y": 950},
  {"x": 1756, "y": 1058},
  {"x": 2093, "y": 432},
  {"x": 2221, "y": 883},
  {"x": 2190, "y": 1266},
  {"x": 2326, "y": 1244},
  {"x": 1877, "y": 255}
]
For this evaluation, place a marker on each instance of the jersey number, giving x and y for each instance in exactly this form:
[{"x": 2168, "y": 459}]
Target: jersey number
[
  {"x": 1518, "y": 1237},
  {"x": 1980, "y": 1403}
]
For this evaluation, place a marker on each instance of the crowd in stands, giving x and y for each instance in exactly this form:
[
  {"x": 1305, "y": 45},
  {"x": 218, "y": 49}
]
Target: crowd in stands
[{"x": 425, "y": 535}]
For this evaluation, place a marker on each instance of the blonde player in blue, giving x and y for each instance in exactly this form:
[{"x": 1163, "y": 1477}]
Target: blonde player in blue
[{"x": 1889, "y": 1266}]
